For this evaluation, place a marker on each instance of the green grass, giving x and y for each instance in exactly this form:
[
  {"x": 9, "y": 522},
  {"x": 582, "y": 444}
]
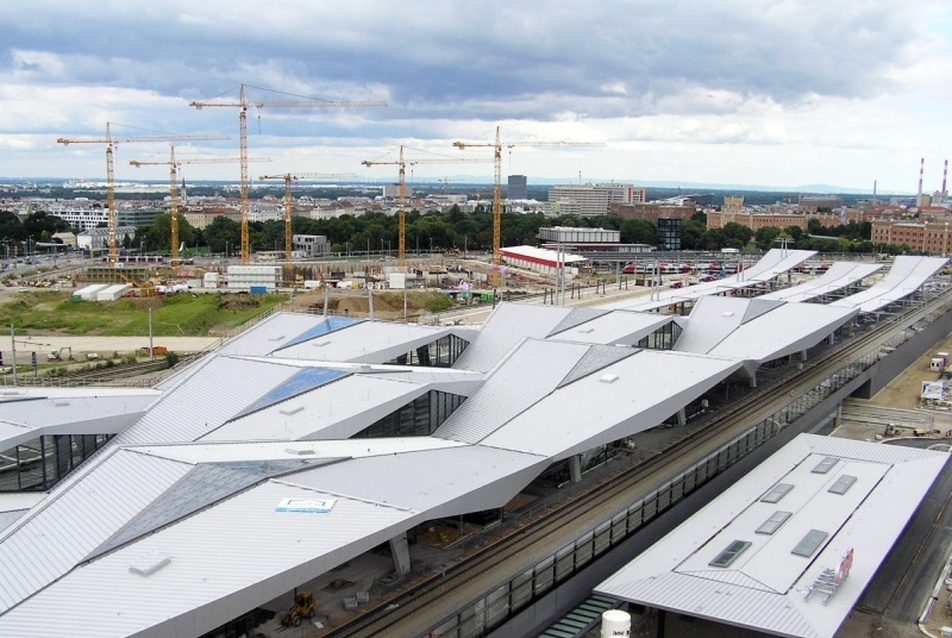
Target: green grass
[{"x": 182, "y": 314}]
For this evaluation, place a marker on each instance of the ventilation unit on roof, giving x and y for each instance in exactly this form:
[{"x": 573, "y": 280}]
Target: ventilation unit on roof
[
  {"x": 277, "y": 338},
  {"x": 586, "y": 331},
  {"x": 608, "y": 378},
  {"x": 290, "y": 411},
  {"x": 149, "y": 565},
  {"x": 321, "y": 344},
  {"x": 296, "y": 452}
]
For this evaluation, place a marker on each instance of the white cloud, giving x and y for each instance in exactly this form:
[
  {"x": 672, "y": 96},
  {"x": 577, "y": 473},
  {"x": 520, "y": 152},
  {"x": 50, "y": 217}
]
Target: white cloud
[{"x": 839, "y": 92}]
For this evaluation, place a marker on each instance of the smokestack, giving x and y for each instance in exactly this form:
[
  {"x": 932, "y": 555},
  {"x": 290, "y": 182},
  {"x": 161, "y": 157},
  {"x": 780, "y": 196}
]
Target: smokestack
[
  {"x": 922, "y": 165},
  {"x": 874, "y": 193}
]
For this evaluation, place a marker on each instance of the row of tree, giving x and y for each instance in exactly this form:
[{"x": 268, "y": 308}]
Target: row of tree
[{"x": 451, "y": 230}]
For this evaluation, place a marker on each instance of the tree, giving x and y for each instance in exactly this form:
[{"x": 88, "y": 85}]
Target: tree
[
  {"x": 638, "y": 231},
  {"x": 221, "y": 233},
  {"x": 765, "y": 237},
  {"x": 738, "y": 234}
]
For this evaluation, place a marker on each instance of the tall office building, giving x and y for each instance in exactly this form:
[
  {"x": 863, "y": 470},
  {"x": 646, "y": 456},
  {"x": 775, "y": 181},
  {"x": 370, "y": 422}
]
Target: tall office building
[
  {"x": 590, "y": 200},
  {"x": 518, "y": 188}
]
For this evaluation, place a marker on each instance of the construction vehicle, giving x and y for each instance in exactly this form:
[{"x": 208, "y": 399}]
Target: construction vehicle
[
  {"x": 57, "y": 355},
  {"x": 303, "y": 607}
]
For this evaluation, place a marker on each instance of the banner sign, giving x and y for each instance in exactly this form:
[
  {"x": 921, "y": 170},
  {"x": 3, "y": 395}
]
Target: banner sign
[{"x": 306, "y": 505}]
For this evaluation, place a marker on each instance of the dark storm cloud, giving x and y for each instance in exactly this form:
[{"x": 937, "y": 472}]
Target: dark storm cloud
[{"x": 489, "y": 59}]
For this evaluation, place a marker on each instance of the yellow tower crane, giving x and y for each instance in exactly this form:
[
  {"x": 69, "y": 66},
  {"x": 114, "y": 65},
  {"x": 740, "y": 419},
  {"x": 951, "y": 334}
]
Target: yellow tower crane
[
  {"x": 242, "y": 105},
  {"x": 497, "y": 187},
  {"x": 402, "y": 162},
  {"x": 289, "y": 207},
  {"x": 110, "y": 143},
  {"x": 173, "y": 165}
]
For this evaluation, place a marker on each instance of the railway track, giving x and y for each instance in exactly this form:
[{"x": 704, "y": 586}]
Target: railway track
[{"x": 423, "y": 604}]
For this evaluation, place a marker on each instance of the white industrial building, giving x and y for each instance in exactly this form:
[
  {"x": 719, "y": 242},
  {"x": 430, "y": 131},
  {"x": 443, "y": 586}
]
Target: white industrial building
[
  {"x": 173, "y": 510},
  {"x": 789, "y": 549}
]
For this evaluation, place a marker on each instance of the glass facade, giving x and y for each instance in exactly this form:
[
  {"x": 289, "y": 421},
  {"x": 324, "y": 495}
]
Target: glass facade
[
  {"x": 41, "y": 463},
  {"x": 441, "y": 353},
  {"x": 669, "y": 234},
  {"x": 420, "y": 417}
]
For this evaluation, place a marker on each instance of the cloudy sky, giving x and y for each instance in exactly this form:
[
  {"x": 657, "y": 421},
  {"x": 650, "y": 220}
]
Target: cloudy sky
[{"x": 781, "y": 93}]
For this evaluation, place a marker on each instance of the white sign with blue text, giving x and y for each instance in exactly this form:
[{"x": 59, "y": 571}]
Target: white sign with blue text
[{"x": 306, "y": 505}]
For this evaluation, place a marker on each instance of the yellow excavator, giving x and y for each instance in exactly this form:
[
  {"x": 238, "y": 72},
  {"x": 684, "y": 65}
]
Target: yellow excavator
[{"x": 303, "y": 607}]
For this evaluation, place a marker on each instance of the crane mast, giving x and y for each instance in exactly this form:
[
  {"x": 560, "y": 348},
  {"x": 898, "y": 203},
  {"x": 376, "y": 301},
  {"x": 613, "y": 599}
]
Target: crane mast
[
  {"x": 402, "y": 163},
  {"x": 242, "y": 106},
  {"x": 173, "y": 188},
  {"x": 494, "y": 276},
  {"x": 289, "y": 209},
  {"x": 110, "y": 143}
]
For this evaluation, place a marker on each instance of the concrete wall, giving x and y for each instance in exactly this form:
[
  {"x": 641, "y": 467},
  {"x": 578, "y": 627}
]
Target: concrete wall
[{"x": 905, "y": 355}]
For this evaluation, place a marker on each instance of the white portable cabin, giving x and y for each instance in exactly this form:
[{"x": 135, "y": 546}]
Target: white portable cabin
[{"x": 88, "y": 293}]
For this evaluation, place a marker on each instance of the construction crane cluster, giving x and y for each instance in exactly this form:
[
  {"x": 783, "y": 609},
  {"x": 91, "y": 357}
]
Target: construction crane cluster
[
  {"x": 174, "y": 165},
  {"x": 243, "y": 104},
  {"x": 402, "y": 163},
  {"x": 111, "y": 143}
]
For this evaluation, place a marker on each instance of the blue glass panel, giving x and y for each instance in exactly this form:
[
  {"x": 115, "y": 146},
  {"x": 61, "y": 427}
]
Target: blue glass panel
[
  {"x": 303, "y": 381},
  {"x": 330, "y": 324}
]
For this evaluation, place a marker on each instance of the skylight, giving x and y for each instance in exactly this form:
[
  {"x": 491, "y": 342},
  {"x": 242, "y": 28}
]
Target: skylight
[
  {"x": 776, "y": 493},
  {"x": 731, "y": 552},
  {"x": 825, "y": 465},
  {"x": 810, "y": 543},
  {"x": 773, "y": 523},
  {"x": 842, "y": 484}
]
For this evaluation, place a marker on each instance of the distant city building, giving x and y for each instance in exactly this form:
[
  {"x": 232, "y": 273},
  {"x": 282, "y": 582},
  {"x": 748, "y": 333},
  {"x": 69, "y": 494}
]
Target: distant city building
[
  {"x": 201, "y": 217},
  {"x": 812, "y": 203},
  {"x": 669, "y": 234},
  {"x": 756, "y": 219},
  {"x": 138, "y": 215},
  {"x": 590, "y": 200},
  {"x": 518, "y": 187},
  {"x": 930, "y": 238},
  {"x": 80, "y": 214},
  {"x": 392, "y": 191},
  {"x": 310, "y": 246},
  {"x": 97, "y": 239},
  {"x": 572, "y": 235},
  {"x": 653, "y": 211},
  {"x": 588, "y": 240}
]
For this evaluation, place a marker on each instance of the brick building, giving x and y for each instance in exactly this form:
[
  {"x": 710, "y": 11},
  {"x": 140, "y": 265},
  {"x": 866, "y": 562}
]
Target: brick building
[{"x": 930, "y": 237}]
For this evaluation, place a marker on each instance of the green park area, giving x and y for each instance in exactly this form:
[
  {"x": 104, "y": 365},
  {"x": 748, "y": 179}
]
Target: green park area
[{"x": 190, "y": 315}]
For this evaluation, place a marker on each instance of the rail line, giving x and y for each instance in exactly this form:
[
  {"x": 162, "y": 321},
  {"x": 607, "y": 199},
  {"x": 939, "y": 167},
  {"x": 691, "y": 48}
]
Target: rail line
[{"x": 414, "y": 609}]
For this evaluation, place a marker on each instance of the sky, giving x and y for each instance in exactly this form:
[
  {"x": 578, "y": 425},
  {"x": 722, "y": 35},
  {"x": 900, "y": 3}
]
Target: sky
[{"x": 768, "y": 93}]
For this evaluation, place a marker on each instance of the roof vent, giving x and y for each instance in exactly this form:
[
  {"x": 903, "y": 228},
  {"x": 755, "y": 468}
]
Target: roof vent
[
  {"x": 321, "y": 344},
  {"x": 727, "y": 313},
  {"x": 277, "y": 338},
  {"x": 147, "y": 566},
  {"x": 290, "y": 411},
  {"x": 60, "y": 404},
  {"x": 608, "y": 378},
  {"x": 301, "y": 452},
  {"x": 586, "y": 331}
]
